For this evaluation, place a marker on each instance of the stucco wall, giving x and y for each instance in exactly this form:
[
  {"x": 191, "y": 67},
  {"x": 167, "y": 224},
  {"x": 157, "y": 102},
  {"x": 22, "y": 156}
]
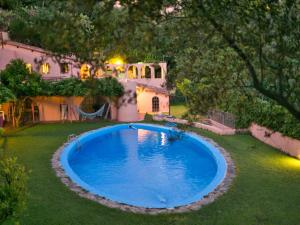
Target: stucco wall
[
  {"x": 49, "y": 107},
  {"x": 127, "y": 105},
  {"x": 9, "y": 52},
  {"x": 144, "y": 101},
  {"x": 130, "y": 107},
  {"x": 277, "y": 140}
]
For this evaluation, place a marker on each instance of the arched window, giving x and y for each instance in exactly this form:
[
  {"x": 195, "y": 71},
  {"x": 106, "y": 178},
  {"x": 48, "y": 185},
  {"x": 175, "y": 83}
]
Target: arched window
[
  {"x": 45, "y": 68},
  {"x": 155, "y": 104},
  {"x": 132, "y": 72},
  {"x": 85, "y": 71},
  {"x": 146, "y": 72},
  {"x": 157, "y": 71}
]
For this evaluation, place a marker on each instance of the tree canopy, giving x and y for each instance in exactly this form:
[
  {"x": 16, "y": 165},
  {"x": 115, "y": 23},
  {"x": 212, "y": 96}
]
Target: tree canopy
[
  {"x": 241, "y": 44},
  {"x": 5, "y": 94},
  {"x": 213, "y": 48}
]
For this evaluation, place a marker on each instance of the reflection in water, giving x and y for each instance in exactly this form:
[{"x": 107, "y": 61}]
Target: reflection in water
[
  {"x": 164, "y": 138},
  {"x": 142, "y": 134}
]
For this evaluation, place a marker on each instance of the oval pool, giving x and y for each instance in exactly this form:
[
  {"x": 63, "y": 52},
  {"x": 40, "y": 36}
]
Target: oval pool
[{"x": 140, "y": 165}]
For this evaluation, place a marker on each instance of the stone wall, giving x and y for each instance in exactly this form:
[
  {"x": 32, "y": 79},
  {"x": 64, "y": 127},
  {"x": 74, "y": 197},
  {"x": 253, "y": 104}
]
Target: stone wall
[{"x": 213, "y": 126}]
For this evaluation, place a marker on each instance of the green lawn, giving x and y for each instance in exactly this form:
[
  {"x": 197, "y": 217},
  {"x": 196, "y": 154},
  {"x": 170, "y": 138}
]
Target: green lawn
[
  {"x": 265, "y": 191},
  {"x": 178, "y": 110}
]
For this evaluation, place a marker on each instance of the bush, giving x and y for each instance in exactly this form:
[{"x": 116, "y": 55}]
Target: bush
[
  {"x": 267, "y": 114},
  {"x": 5, "y": 18},
  {"x": 13, "y": 179},
  {"x": 148, "y": 117},
  {"x": 1, "y": 131}
]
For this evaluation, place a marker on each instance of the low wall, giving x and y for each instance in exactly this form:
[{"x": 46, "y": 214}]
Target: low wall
[
  {"x": 277, "y": 140},
  {"x": 214, "y": 126}
]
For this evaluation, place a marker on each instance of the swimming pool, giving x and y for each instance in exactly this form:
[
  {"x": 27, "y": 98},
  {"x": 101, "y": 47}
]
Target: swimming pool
[{"x": 140, "y": 165}]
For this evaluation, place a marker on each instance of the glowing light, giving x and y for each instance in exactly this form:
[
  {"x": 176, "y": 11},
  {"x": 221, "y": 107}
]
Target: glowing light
[
  {"x": 85, "y": 71},
  {"x": 116, "y": 60},
  {"x": 286, "y": 162},
  {"x": 29, "y": 67},
  {"x": 45, "y": 68}
]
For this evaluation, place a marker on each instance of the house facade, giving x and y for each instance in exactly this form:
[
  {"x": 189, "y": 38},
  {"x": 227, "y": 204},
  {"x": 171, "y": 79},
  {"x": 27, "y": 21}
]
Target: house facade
[{"x": 144, "y": 84}]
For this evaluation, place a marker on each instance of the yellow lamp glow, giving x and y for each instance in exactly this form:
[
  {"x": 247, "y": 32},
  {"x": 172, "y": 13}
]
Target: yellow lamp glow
[{"x": 116, "y": 60}]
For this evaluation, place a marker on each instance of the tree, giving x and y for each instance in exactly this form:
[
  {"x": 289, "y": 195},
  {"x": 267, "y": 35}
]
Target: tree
[
  {"x": 92, "y": 31},
  {"x": 5, "y": 94},
  {"x": 23, "y": 84},
  {"x": 264, "y": 35},
  {"x": 262, "y": 38}
]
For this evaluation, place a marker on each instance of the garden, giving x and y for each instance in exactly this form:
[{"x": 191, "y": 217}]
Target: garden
[
  {"x": 239, "y": 58},
  {"x": 265, "y": 190}
]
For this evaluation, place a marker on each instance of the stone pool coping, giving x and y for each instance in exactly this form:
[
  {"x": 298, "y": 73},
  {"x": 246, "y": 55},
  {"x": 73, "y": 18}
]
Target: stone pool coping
[{"x": 217, "y": 192}]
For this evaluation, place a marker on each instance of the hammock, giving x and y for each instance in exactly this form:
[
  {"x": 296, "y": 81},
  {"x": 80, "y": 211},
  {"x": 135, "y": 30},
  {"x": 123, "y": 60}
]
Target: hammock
[{"x": 91, "y": 116}]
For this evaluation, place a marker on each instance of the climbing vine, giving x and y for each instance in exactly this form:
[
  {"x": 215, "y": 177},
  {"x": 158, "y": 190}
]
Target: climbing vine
[{"x": 17, "y": 85}]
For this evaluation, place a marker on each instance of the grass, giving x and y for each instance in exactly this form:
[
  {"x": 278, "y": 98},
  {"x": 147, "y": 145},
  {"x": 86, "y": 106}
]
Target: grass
[
  {"x": 178, "y": 110},
  {"x": 265, "y": 192}
]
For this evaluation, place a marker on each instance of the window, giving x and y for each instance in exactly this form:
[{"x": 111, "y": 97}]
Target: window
[
  {"x": 85, "y": 71},
  {"x": 99, "y": 73},
  {"x": 157, "y": 71},
  {"x": 64, "y": 67},
  {"x": 132, "y": 72},
  {"x": 155, "y": 104},
  {"x": 146, "y": 72},
  {"x": 29, "y": 67},
  {"x": 45, "y": 68}
]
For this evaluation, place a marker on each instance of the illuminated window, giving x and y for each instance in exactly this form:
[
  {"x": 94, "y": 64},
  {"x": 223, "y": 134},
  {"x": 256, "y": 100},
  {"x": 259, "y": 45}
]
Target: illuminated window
[
  {"x": 64, "y": 67},
  {"x": 132, "y": 72},
  {"x": 85, "y": 71},
  {"x": 155, "y": 104},
  {"x": 99, "y": 73},
  {"x": 29, "y": 67},
  {"x": 45, "y": 68}
]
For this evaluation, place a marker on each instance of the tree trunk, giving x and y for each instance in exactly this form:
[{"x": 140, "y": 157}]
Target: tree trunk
[{"x": 18, "y": 110}]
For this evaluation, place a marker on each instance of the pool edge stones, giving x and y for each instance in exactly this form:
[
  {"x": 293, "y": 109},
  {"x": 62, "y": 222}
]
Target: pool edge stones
[{"x": 213, "y": 195}]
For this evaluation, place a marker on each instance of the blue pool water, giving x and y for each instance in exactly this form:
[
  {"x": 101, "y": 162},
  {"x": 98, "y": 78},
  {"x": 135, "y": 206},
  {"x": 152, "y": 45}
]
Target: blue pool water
[{"x": 140, "y": 166}]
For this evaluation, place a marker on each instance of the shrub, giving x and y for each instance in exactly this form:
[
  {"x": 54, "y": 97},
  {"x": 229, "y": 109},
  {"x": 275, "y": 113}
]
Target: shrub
[
  {"x": 13, "y": 179},
  {"x": 1, "y": 131},
  {"x": 148, "y": 117},
  {"x": 267, "y": 114}
]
